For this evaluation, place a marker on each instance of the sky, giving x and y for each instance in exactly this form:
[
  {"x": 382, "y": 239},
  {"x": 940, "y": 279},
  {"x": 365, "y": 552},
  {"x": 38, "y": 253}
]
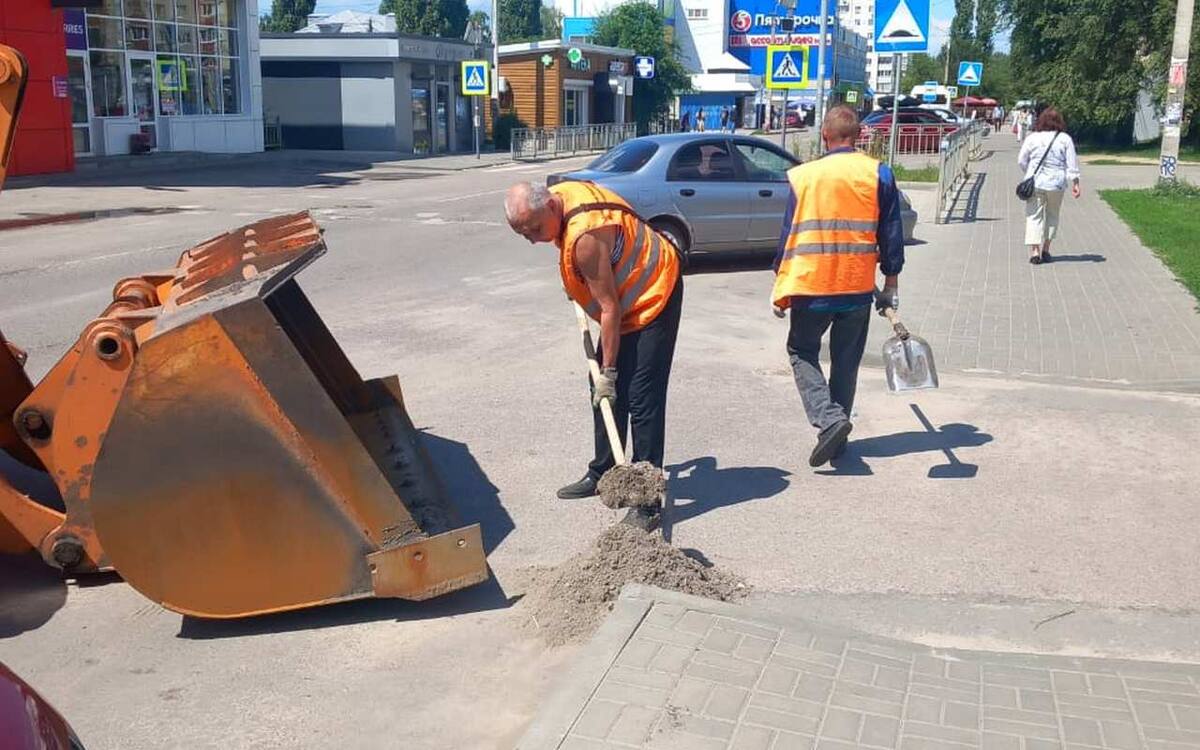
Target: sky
[{"x": 942, "y": 11}]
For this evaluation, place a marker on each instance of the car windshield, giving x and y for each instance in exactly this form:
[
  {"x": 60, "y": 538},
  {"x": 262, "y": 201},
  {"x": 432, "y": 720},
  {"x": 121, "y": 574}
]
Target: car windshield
[{"x": 629, "y": 156}]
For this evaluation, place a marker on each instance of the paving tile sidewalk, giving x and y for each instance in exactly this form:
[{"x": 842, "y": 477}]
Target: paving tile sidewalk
[
  {"x": 1106, "y": 310},
  {"x": 673, "y": 671}
]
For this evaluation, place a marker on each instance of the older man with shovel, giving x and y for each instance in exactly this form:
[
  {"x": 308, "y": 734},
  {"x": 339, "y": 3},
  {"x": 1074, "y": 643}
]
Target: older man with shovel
[
  {"x": 625, "y": 276},
  {"x": 843, "y": 220}
]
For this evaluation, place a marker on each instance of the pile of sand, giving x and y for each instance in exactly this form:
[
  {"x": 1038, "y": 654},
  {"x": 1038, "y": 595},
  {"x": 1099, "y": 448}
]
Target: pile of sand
[{"x": 572, "y": 598}]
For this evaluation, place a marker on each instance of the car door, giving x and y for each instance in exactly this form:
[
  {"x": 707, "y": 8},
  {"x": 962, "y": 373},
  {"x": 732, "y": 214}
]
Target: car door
[
  {"x": 704, "y": 185},
  {"x": 765, "y": 167}
]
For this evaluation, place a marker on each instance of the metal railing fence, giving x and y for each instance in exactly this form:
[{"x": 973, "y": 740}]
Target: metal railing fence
[
  {"x": 954, "y": 163},
  {"x": 532, "y": 143},
  {"x": 911, "y": 140}
]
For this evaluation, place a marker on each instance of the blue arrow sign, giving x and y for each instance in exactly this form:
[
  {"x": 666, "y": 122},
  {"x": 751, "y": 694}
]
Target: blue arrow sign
[
  {"x": 902, "y": 25},
  {"x": 644, "y": 66},
  {"x": 970, "y": 73}
]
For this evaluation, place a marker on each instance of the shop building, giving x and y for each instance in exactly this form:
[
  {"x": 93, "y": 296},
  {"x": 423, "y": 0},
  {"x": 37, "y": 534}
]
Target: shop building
[
  {"x": 723, "y": 45},
  {"x": 332, "y": 88},
  {"x": 545, "y": 89},
  {"x": 135, "y": 75}
]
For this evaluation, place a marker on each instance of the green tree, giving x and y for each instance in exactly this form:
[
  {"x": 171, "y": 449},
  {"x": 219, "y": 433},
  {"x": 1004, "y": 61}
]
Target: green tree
[
  {"x": 445, "y": 18},
  {"x": 986, "y": 16},
  {"x": 519, "y": 20},
  {"x": 1084, "y": 57},
  {"x": 1162, "y": 31},
  {"x": 483, "y": 21},
  {"x": 962, "y": 30},
  {"x": 921, "y": 68},
  {"x": 552, "y": 19},
  {"x": 639, "y": 27},
  {"x": 287, "y": 16}
]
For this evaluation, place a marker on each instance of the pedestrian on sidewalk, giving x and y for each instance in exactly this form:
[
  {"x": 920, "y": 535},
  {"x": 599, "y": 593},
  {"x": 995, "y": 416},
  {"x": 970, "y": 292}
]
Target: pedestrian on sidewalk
[
  {"x": 625, "y": 275},
  {"x": 724, "y": 119},
  {"x": 843, "y": 219},
  {"x": 1048, "y": 156}
]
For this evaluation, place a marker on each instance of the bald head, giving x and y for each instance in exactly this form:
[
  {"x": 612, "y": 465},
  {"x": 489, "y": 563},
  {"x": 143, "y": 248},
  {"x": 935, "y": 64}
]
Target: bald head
[
  {"x": 529, "y": 209},
  {"x": 840, "y": 127}
]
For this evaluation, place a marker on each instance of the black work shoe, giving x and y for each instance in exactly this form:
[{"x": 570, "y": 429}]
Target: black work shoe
[
  {"x": 585, "y": 487},
  {"x": 831, "y": 440},
  {"x": 646, "y": 519}
]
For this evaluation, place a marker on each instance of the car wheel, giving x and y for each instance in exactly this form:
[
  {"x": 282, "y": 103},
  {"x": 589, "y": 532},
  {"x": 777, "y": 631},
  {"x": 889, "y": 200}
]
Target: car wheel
[{"x": 673, "y": 232}]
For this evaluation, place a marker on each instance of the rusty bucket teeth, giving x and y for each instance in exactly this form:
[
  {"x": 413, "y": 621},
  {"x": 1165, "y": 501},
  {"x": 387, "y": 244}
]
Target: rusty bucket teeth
[{"x": 213, "y": 444}]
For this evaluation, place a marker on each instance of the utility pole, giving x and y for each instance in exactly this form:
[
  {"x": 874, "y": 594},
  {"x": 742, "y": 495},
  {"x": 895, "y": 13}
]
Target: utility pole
[
  {"x": 1176, "y": 88},
  {"x": 821, "y": 67},
  {"x": 790, "y": 6}
]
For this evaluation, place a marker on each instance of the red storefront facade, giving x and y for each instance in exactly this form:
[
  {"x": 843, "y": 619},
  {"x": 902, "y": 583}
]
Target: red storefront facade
[{"x": 43, "y": 142}]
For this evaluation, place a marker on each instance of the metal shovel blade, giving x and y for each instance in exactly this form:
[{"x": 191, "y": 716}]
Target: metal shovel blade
[{"x": 907, "y": 360}]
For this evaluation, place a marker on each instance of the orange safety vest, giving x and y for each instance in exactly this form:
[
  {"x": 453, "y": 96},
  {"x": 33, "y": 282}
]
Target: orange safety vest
[
  {"x": 833, "y": 246},
  {"x": 646, "y": 270}
]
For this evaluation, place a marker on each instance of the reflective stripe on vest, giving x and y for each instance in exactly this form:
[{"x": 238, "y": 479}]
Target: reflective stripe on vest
[
  {"x": 832, "y": 245},
  {"x": 644, "y": 274}
]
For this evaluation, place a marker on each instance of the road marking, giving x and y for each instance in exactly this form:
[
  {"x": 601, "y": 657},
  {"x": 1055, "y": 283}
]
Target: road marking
[{"x": 468, "y": 195}]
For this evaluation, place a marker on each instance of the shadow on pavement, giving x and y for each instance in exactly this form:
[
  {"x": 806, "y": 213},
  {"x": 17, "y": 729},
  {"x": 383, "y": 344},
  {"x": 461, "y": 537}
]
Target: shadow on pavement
[
  {"x": 704, "y": 487},
  {"x": 930, "y": 439},
  {"x": 965, "y": 207},
  {"x": 1082, "y": 258},
  {"x": 471, "y": 493},
  {"x": 483, "y": 597},
  {"x": 30, "y": 593},
  {"x": 731, "y": 261}
]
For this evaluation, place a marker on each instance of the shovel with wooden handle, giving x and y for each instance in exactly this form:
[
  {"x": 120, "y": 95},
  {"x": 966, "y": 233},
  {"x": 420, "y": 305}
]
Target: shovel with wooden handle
[
  {"x": 907, "y": 359},
  {"x": 625, "y": 485}
]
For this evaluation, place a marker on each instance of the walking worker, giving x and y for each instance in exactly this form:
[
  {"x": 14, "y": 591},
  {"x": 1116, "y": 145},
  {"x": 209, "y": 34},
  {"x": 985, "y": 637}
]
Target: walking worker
[
  {"x": 626, "y": 276},
  {"x": 843, "y": 219},
  {"x": 1048, "y": 156}
]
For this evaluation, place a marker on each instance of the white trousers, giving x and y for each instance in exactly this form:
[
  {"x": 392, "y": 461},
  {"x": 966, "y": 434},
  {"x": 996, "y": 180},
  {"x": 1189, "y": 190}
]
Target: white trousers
[{"x": 1041, "y": 216}]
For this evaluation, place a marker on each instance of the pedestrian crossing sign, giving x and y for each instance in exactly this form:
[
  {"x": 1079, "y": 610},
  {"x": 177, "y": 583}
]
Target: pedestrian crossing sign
[
  {"x": 787, "y": 66},
  {"x": 475, "y": 78},
  {"x": 970, "y": 73}
]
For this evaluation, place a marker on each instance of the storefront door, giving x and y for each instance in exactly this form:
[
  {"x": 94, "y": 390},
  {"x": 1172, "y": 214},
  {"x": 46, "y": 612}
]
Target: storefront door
[
  {"x": 144, "y": 94},
  {"x": 442, "y": 126},
  {"x": 81, "y": 103}
]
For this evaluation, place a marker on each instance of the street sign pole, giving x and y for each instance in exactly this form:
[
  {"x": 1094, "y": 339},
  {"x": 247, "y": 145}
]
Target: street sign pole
[
  {"x": 475, "y": 107},
  {"x": 766, "y": 89},
  {"x": 786, "y": 92},
  {"x": 1176, "y": 88},
  {"x": 895, "y": 108}
]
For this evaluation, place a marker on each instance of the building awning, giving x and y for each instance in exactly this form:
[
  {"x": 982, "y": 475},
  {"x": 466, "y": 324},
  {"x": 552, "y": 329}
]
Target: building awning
[
  {"x": 722, "y": 83},
  {"x": 547, "y": 45},
  {"x": 727, "y": 63}
]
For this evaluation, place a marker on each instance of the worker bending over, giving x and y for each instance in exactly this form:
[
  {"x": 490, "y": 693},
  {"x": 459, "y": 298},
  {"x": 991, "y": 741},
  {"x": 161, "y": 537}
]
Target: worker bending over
[
  {"x": 625, "y": 276},
  {"x": 843, "y": 219}
]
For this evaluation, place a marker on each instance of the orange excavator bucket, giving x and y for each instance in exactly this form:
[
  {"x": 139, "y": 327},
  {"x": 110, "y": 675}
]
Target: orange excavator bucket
[{"x": 207, "y": 438}]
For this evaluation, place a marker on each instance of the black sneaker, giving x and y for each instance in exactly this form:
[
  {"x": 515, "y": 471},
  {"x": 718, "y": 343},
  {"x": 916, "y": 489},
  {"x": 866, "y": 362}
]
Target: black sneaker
[
  {"x": 585, "y": 487},
  {"x": 831, "y": 440},
  {"x": 646, "y": 519}
]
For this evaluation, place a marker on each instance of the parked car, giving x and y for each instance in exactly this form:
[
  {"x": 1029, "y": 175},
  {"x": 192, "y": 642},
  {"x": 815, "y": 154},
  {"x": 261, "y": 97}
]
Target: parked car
[
  {"x": 27, "y": 721},
  {"x": 707, "y": 192},
  {"x": 921, "y": 130}
]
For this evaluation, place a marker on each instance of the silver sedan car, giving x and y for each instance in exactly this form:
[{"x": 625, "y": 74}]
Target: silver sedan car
[{"x": 709, "y": 192}]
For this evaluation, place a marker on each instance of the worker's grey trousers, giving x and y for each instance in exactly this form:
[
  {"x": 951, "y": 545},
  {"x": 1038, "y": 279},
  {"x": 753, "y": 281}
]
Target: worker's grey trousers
[{"x": 827, "y": 403}]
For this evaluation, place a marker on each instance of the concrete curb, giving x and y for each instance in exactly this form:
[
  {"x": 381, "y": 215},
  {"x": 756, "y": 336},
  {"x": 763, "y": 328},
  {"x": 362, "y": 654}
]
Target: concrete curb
[{"x": 575, "y": 687}]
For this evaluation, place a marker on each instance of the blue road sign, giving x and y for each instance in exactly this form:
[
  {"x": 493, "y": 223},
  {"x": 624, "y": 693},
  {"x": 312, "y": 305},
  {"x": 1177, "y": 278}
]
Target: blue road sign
[
  {"x": 787, "y": 66},
  {"x": 644, "y": 66},
  {"x": 970, "y": 73},
  {"x": 930, "y": 92},
  {"x": 475, "y": 78},
  {"x": 902, "y": 25}
]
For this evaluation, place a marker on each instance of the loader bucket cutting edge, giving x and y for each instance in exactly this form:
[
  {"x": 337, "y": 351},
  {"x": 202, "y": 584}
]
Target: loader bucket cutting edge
[{"x": 243, "y": 466}]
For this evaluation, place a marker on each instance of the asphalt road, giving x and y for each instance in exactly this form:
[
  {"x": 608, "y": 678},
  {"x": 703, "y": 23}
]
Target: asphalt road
[{"x": 1039, "y": 496}]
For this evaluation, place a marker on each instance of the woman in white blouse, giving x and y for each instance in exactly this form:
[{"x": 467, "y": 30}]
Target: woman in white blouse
[{"x": 1050, "y": 181}]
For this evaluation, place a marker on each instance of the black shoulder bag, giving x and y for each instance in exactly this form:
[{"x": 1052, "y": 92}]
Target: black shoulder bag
[{"x": 1025, "y": 187}]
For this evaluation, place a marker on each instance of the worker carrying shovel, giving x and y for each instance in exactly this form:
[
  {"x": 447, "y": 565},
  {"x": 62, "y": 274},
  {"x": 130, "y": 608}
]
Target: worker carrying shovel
[
  {"x": 843, "y": 219},
  {"x": 625, "y": 276}
]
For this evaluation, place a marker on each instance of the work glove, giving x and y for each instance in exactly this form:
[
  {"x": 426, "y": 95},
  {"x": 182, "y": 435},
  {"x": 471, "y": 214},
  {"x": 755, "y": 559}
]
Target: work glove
[
  {"x": 887, "y": 297},
  {"x": 605, "y": 387}
]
